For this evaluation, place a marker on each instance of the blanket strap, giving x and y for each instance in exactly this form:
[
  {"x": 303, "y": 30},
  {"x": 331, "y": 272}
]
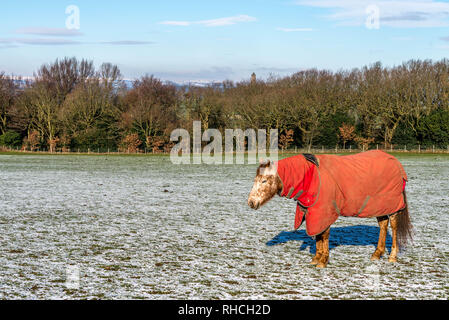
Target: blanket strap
[
  {"x": 302, "y": 210},
  {"x": 313, "y": 159}
]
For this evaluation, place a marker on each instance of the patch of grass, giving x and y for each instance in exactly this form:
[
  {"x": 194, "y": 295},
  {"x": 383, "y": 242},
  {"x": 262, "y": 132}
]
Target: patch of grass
[
  {"x": 287, "y": 292},
  {"x": 57, "y": 281},
  {"x": 99, "y": 296},
  {"x": 205, "y": 282},
  {"x": 159, "y": 292},
  {"x": 125, "y": 258},
  {"x": 394, "y": 153},
  {"x": 236, "y": 293},
  {"x": 168, "y": 263},
  {"x": 439, "y": 152},
  {"x": 16, "y": 251},
  {"x": 19, "y": 153},
  {"x": 113, "y": 267}
]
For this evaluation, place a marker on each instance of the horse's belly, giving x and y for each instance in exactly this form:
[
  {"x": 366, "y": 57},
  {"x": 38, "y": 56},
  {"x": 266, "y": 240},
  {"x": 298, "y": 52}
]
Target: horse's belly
[{"x": 374, "y": 206}]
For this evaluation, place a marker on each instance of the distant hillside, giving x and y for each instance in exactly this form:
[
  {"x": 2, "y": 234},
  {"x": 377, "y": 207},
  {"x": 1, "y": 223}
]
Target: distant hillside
[{"x": 129, "y": 83}]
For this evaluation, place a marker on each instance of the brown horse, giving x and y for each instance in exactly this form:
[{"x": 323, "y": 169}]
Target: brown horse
[{"x": 371, "y": 184}]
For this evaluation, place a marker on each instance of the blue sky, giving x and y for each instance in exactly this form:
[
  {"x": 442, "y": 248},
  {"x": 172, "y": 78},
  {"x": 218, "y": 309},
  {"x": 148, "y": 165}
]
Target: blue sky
[{"x": 217, "y": 40}]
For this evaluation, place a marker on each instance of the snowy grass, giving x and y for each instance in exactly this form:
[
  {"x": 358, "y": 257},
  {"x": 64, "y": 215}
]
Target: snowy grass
[{"x": 142, "y": 228}]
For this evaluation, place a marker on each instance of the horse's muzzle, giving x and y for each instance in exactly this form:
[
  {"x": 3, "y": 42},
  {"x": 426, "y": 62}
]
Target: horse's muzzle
[{"x": 254, "y": 205}]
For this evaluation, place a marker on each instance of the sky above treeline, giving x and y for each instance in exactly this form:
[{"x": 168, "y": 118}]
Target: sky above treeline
[{"x": 217, "y": 40}]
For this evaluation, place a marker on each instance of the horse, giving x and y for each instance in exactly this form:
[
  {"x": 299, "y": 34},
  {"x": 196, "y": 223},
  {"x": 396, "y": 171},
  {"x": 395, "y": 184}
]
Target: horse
[{"x": 325, "y": 187}]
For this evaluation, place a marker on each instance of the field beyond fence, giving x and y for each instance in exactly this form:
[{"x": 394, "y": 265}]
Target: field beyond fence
[{"x": 416, "y": 149}]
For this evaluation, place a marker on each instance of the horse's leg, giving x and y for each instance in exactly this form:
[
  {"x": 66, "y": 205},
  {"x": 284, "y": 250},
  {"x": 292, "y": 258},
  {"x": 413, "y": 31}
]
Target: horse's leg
[
  {"x": 380, "y": 250},
  {"x": 318, "y": 253},
  {"x": 324, "y": 258},
  {"x": 394, "y": 245}
]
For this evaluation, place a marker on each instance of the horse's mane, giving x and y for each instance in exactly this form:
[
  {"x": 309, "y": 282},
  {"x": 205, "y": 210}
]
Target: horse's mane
[{"x": 265, "y": 164}]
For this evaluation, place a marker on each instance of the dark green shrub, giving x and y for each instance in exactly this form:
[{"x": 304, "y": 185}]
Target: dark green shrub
[
  {"x": 11, "y": 139},
  {"x": 434, "y": 128}
]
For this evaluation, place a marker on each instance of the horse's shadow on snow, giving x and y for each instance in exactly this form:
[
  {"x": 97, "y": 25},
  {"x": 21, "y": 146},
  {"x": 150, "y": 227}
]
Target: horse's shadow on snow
[{"x": 340, "y": 236}]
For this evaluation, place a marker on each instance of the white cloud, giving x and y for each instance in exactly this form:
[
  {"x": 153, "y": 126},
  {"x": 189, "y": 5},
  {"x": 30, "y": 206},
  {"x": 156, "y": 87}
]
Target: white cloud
[
  {"x": 127, "y": 42},
  {"x": 394, "y": 13},
  {"x": 294, "y": 29},
  {"x": 55, "y": 32},
  {"x": 39, "y": 41},
  {"x": 227, "y": 21},
  {"x": 14, "y": 42},
  {"x": 176, "y": 23}
]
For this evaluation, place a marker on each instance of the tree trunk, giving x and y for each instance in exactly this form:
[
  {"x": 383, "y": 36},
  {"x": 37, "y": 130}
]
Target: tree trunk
[{"x": 3, "y": 125}]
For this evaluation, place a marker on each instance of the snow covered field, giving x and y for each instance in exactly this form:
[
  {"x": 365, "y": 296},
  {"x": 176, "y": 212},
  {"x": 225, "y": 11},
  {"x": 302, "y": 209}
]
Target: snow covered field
[{"x": 88, "y": 227}]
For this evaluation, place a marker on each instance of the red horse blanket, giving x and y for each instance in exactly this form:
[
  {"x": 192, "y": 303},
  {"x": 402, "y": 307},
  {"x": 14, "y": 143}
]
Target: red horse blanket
[{"x": 368, "y": 184}]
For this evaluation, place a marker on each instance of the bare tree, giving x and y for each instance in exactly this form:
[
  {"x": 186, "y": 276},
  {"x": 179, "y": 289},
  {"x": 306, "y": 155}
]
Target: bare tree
[
  {"x": 110, "y": 75},
  {"x": 150, "y": 102},
  {"x": 43, "y": 106},
  {"x": 85, "y": 105},
  {"x": 73, "y": 102},
  {"x": 59, "y": 77}
]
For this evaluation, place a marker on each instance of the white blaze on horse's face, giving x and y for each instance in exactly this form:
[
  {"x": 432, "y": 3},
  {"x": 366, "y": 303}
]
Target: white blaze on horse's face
[{"x": 266, "y": 185}]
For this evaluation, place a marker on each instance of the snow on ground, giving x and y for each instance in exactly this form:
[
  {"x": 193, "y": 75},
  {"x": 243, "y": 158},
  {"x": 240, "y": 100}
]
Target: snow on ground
[{"x": 87, "y": 227}]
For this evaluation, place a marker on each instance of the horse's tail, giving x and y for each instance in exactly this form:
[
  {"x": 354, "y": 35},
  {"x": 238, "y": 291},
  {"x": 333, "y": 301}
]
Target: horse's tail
[{"x": 405, "y": 228}]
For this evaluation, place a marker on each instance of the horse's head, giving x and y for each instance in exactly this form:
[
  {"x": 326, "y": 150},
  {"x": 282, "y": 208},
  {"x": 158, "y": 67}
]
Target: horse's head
[{"x": 266, "y": 184}]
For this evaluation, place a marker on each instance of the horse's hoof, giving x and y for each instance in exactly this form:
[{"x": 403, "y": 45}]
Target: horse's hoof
[
  {"x": 314, "y": 261},
  {"x": 392, "y": 259},
  {"x": 375, "y": 257},
  {"x": 321, "y": 265}
]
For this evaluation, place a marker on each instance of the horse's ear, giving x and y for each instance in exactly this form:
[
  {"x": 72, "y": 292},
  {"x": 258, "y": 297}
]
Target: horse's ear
[
  {"x": 268, "y": 168},
  {"x": 274, "y": 166},
  {"x": 264, "y": 163}
]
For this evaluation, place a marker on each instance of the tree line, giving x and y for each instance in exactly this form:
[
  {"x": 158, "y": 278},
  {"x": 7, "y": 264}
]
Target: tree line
[{"x": 72, "y": 105}]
